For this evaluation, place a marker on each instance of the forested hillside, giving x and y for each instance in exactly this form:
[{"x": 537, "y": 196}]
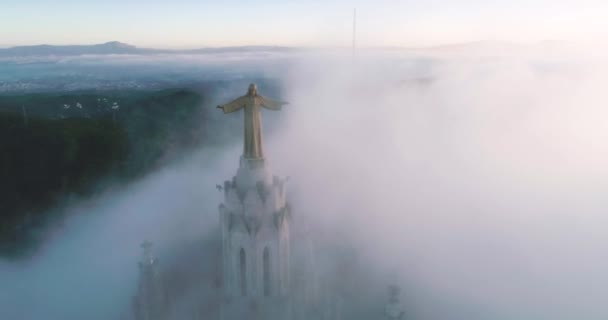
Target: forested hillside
[{"x": 56, "y": 146}]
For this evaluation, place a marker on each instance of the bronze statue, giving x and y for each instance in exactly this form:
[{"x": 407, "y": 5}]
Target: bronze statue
[{"x": 252, "y": 101}]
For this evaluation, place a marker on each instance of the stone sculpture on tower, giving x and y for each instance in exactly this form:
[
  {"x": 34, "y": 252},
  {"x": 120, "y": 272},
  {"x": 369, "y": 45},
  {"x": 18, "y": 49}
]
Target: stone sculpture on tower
[
  {"x": 252, "y": 102},
  {"x": 254, "y": 222}
]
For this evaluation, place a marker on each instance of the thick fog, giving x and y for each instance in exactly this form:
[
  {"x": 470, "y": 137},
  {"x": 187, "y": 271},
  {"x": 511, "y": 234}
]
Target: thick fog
[
  {"x": 88, "y": 268},
  {"x": 476, "y": 182}
]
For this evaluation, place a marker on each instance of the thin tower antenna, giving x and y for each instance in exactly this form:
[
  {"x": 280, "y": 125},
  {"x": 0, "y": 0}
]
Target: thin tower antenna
[{"x": 354, "y": 31}]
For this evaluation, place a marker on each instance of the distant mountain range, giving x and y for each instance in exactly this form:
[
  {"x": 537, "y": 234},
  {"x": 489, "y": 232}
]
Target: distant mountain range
[{"x": 116, "y": 47}]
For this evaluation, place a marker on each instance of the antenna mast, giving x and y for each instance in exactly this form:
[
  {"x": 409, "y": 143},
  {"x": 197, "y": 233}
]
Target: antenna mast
[{"x": 354, "y": 30}]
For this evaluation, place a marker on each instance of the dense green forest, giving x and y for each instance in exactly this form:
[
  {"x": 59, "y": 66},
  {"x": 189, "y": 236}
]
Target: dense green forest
[{"x": 55, "y": 146}]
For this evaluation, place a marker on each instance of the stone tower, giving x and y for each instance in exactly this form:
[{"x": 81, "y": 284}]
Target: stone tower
[
  {"x": 254, "y": 222},
  {"x": 150, "y": 301},
  {"x": 393, "y": 309}
]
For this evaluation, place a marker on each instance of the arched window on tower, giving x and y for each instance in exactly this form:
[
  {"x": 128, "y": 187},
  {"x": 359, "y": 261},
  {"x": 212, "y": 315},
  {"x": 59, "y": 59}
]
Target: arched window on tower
[
  {"x": 243, "y": 271},
  {"x": 267, "y": 284}
]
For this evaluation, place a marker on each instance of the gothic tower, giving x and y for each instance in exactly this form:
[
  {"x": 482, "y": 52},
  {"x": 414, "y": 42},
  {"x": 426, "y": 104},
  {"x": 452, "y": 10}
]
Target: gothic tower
[
  {"x": 254, "y": 222},
  {"x": 150, "y": 302}
]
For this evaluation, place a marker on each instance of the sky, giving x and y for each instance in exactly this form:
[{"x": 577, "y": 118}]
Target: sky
[{"x": 201, "y": 23}]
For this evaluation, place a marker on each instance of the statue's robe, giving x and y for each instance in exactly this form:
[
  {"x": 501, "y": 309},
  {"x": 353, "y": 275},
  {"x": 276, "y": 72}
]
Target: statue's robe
[{"x": 252, "y": 148}]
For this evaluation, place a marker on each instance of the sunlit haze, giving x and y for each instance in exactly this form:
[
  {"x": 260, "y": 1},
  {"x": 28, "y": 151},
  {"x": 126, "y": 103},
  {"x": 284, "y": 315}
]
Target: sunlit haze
[
  {"x": 196, "y": 23},
  {"x": 229, "y": 160}
]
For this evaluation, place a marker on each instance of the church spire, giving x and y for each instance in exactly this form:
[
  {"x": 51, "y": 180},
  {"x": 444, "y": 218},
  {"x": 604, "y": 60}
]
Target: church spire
[{"x": 150, "y": 301}]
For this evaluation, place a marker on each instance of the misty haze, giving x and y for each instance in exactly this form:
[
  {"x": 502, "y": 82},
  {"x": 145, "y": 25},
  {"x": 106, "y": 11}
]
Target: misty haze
[{"x": 321, "y": 163}]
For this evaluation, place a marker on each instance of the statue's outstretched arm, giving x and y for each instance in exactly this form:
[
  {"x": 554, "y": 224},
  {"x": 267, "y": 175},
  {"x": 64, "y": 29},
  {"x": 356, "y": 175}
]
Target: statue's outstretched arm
[
  {"x": 269, "y": 103},
  {"x": 234, "y": 105}
]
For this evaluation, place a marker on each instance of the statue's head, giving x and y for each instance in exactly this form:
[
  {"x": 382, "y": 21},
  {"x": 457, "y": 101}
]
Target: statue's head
[{"x": 253, "y": 90}]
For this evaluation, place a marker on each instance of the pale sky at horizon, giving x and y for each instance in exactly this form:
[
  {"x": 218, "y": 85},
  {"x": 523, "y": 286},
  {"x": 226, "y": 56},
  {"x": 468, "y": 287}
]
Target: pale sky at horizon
[{"x": 190, "y": 23}]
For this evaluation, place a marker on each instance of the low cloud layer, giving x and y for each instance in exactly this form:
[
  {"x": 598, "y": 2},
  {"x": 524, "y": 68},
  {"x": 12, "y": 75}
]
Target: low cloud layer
[
  {"x": 476, "y": 182},
  {"x": 88, "y": 269}
]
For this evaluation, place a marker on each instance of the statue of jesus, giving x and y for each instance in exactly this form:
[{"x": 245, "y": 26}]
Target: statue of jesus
[{"x": 251, "y": 102}]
